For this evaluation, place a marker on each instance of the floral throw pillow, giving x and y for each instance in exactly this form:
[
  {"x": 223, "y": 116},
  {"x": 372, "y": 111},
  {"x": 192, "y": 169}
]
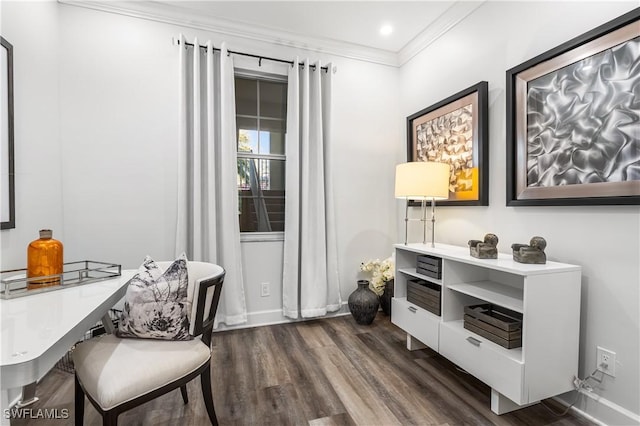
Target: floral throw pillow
[{"x": 156, "y": 304}]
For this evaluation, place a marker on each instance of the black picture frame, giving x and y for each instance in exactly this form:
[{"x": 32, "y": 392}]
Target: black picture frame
[
  {"x": 561, "y": 166},
  {"x": 7, "y": 151},
  {"x": 473, "y": 174}
]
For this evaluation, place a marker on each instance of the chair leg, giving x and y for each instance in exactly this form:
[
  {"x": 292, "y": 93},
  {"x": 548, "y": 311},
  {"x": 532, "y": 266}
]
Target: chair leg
[
  {"x": 205, "y": 380},
  {"x": 183, "y": 391},
  {"x": 79, "y": 403},
  {"x": 110, "y": 418}
]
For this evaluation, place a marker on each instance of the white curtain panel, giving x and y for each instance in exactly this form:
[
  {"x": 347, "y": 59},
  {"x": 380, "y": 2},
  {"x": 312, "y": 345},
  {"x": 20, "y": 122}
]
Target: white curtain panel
[
  {"x": 311, "y": 286},
  {"x": 207, "y": 224}
]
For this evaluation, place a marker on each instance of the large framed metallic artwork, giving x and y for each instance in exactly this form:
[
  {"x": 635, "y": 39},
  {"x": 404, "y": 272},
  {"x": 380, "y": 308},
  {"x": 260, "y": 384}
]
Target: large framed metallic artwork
[
  {"x": 573, "y": 120},
  {"x": 455, "y": 131},
  {"x": 7, "y": 179}
]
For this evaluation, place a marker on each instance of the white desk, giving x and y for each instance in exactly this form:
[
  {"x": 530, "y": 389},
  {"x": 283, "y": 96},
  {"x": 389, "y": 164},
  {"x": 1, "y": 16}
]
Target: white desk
[{"x": 36, "y": 331}]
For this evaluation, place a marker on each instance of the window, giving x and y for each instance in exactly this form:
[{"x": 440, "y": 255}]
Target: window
[{"x": 261, "y": 112}]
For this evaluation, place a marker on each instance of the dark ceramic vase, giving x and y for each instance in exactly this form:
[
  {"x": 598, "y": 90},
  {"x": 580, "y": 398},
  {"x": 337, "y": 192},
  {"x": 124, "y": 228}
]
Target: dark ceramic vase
[
  {"x": 385, "y": 299},
  {"x": 363, "y": 303}
]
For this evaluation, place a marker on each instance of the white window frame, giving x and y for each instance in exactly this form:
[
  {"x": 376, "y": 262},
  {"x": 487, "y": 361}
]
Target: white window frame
[{"x": 256, "y": 75}]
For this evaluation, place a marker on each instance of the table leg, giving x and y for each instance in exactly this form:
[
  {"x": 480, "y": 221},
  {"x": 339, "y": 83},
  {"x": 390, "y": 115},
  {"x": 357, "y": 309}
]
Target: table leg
[
  {"x": 107, "y": 323},
  {"x": 28, "y": 395}
]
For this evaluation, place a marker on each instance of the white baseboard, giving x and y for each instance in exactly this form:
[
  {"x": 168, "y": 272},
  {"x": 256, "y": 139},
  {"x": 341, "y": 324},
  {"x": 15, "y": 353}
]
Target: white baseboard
[
  {"x": 600, "y": 410},
  {"x": 262, "y": 318}
]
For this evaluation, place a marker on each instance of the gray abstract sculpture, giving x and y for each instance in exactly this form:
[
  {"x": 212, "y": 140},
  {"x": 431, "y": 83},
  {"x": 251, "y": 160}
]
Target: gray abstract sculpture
[
  {"x": 531, "y": 253},
  {"x": 487, "y": 249}
]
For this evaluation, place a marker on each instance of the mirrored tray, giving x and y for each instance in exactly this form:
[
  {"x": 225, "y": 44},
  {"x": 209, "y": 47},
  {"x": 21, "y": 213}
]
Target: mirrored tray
[{"x": 14, "y": 283}]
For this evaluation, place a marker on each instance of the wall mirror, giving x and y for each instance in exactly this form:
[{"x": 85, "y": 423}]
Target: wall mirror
[{"x": 7, "y": 178}]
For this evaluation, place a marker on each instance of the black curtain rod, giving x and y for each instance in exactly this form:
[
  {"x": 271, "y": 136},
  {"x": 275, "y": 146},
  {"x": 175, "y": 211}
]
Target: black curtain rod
[{"x": 259, "y": 57}]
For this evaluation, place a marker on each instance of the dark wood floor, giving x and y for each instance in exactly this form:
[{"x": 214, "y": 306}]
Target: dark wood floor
[{"x": 322, "y": 372}]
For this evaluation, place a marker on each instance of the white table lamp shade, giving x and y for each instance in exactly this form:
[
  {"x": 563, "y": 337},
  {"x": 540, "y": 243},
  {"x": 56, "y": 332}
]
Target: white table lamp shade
[{"x": 421, "y": 180}]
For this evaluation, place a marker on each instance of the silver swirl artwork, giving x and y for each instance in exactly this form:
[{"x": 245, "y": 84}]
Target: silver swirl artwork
[
  {"x": 449, "y": 139},
  {"x": 583, "y": 120}
]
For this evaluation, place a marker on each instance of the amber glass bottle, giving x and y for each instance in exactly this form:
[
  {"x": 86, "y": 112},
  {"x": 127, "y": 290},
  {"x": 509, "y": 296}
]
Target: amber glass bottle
[{"x": 44, "y": 257}]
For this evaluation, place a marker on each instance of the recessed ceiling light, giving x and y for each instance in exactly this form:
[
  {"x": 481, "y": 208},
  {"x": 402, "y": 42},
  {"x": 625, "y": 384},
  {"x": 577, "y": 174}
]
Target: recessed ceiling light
[{"x": 386, "y": 29}]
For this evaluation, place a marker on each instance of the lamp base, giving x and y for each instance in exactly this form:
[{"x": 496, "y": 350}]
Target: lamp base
[
  {"x": 433, "y": 222},
  {"x": 423, "y": 220}
]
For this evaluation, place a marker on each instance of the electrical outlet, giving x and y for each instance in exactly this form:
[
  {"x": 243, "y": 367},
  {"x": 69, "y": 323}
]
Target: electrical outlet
[
  {"x": 606, "y": 361},
  {"x": 264, "y": 290}
]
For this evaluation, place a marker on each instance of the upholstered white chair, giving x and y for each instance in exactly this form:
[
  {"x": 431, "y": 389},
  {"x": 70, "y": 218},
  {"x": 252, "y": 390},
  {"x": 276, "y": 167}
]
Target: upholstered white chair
[{"x": 117, "y": 374}]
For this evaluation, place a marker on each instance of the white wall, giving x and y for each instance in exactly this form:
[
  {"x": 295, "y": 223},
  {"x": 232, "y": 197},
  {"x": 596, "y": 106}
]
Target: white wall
[
  {"x": 118, "y": 127},
  {"x": 605, "y": 240},
  {"x": 111, "y": 133},
  {"x": 37, "y": 144}
]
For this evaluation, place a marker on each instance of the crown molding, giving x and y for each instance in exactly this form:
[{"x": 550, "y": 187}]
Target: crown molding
[
  {"x": 163, "y": 12},
  {"x": 445, "y": 22},
  {"x": 169, "y": 14}
]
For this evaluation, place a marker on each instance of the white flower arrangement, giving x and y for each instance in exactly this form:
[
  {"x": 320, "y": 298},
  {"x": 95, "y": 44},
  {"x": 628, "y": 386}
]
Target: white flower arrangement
[{"x": 382, "y": 272}]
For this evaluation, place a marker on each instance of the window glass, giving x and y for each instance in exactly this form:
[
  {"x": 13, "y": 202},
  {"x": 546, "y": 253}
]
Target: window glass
[
  {"x": 261, "y": 194},
  {"x": 272, "y": 136},
  {"x": 260, "y": 119},
  {"x": 273, "y": 99},
  {"x": 246, "y": 96},
  {"x": 247, "y": 134}
]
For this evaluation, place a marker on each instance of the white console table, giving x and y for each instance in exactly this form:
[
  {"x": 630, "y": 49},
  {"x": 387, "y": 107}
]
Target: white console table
[
  {"x": 36, "y": 331},
  {"x": 548, "y": 296}
]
